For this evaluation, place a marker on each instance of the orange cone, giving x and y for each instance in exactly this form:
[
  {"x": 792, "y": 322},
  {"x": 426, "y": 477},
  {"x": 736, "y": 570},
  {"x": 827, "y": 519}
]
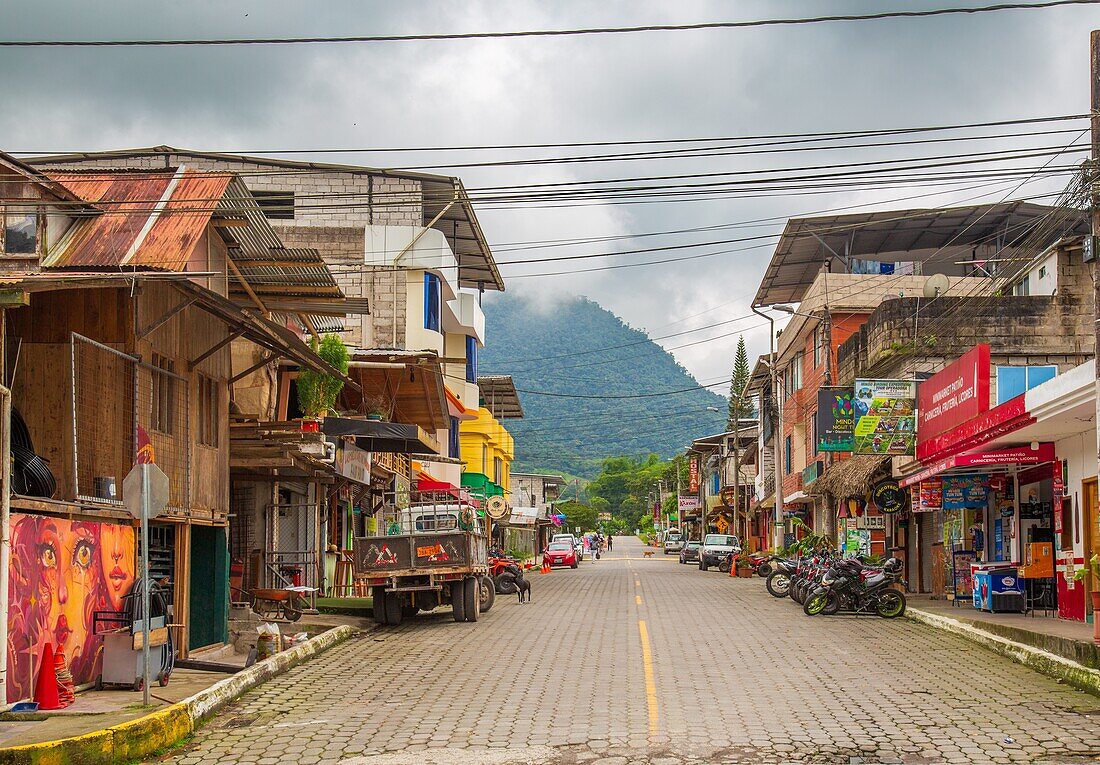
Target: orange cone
[
  {"x": 45, "y": 690},
  {"x": 545, "y": 567},
  {"x": 66, "y": 689}
]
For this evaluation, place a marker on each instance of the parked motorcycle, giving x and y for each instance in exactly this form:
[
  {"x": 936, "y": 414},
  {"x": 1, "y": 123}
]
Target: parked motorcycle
[
  {"x": 852, "y": 587},
  {"x": 779, "y": 581},
  {"x": 761, "y": 564}
]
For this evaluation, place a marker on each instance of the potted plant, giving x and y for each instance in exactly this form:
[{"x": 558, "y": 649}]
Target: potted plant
[
  {"x": 376, "y": 406},
  {"x": 1093, "y": 567},
  {"x": 317, "y": 391},
  {"x": 745, "y": 569}
]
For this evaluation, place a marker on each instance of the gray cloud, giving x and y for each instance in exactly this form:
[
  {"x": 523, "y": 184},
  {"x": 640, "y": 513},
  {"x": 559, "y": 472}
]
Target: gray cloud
[{"x": 827, "y": 77}]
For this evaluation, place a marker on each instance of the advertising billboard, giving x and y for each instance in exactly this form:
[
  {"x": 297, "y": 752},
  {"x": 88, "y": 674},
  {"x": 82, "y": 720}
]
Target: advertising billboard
[
  {"x": 835, "y": 420},
  {"x": 885, "y": 417},
  {"x": 956, "y": 394}
]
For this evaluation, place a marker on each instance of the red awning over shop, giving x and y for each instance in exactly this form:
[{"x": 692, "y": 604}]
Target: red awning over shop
[{"x": 1020, "y": 455}]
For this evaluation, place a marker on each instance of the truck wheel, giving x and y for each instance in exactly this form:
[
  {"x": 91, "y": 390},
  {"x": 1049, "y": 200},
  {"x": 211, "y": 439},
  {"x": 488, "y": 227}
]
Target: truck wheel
[
  {"x": 378, "y": 595},
  {"x": 471, "y": 595},
  {"x": 458, "y": 600},
  {"x": 487, "y": 593},
  {"x": 394, "y": 611}
]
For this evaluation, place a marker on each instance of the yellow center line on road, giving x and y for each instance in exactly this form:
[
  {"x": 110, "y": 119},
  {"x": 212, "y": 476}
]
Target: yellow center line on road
[
  {"x": 637, "y": 600},
  {"x": 650, "y": 683}
]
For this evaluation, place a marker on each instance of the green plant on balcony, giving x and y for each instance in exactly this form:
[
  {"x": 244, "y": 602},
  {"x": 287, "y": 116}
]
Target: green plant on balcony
[{"x": 317, "y": 391}]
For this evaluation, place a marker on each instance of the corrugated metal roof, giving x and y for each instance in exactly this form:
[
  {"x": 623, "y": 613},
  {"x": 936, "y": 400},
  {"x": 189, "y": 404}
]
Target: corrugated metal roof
[{"x": 149, "y": 220}]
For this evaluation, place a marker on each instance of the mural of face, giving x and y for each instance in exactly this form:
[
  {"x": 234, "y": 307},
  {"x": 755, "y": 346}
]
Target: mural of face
[
  {"x": 116, "y": 555},
  {"x": 68, "y": 554}
]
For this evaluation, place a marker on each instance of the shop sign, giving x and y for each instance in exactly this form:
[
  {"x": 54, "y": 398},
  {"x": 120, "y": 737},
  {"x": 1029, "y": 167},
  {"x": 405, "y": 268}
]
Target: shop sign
[
  {"x": 888, "y": 496},
  {"x": 885, "y": 417},
  {"x": 964, "y": 491},
  {"x": 656, "y": 512},
  {"x": 958, "y": 393},
  {"x": 353, "y": 462},
  {"x": 812, "y": 472},
  {"x": 1021, "y": 455},
  {"x": 693, "y": 475},
  {"x": 603, "y": 516},
  {"x": 729, "y": 496},
  {"x": 931, "y": 495},
  {"x": 688, "y": 503},
  {"x": 835, "y": 420},
  {"x": 871, "y": 522},
  {"x": 1058, "y": 482}
]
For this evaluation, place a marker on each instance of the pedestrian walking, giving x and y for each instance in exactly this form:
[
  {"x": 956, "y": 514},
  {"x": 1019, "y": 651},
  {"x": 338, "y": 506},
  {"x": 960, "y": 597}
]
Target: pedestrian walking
[
  {"x": 609, "y": 545},
  {"x": 593, "y": 546}
]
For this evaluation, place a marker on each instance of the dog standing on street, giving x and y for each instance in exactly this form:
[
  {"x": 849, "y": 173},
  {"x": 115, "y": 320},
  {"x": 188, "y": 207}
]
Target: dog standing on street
[{"x": 523, "y": 587}]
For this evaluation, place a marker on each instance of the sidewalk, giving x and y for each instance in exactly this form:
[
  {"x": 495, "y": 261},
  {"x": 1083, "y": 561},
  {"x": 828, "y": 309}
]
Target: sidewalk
[
  {"x": 1068, "y": 639},
  {"x": 112, "y": 726}
]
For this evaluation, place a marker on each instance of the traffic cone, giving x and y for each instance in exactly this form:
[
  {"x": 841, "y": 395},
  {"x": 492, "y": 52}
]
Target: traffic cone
[
  {"x": 66, "y": 691},
  {"x": 733, "y": 567},
  {"x": 45, "y": 690},
  {"x": 545, "y": 567}
]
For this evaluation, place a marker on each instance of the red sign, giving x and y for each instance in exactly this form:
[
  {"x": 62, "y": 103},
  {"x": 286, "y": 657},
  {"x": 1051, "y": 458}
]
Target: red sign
[
  {"x": 931, "y": 495},
  {"x": 1006, "y": 418},
  {"x": 958, "y": 393},
  {"x": 1058, "y": 485},
  {"x": 1018, "y": 455},
  {"x": 693, "y": 475}
]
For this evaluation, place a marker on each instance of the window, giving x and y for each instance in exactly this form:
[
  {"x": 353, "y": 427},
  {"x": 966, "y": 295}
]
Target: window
[
  {"x": 208, "y": 411},
  {"x": 1013, "y": 381},
  {"x": 787, "y": 456},
  {"x": 498, "y": 471},
  {"x": 20, "y": 231},
  {"x": 1022, "y": 289},
  {"x": 471, "y": 359},
  {"x": 164, "y": 395},
  {"x": 276, "y": 205},
  {"x": 433, "y": 302},
  {"x": 452, "y": 439},
  {"x": 792, "y": 376}
]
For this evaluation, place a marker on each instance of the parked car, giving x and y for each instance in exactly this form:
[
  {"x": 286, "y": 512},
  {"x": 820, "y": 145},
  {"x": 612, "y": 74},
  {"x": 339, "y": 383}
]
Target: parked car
[
  {"x": 690, "y": 551},
  {"x": 674, "y": 542},
  {"x": 577, "y": 542},
  {"x": 561, "y": 553},
  {"x": 715, "y": 548}
]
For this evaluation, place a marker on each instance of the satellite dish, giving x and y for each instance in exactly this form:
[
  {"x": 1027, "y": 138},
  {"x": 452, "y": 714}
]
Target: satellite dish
[
  {"x": 496, "y": 507},
  {"x": 936, "y": 285}
]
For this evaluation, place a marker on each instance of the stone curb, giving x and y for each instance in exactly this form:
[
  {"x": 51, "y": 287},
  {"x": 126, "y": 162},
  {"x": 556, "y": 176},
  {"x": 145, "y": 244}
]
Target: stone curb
[
  {"x": 140, "y": 738},
  {"x": 1081, "y": 677}
]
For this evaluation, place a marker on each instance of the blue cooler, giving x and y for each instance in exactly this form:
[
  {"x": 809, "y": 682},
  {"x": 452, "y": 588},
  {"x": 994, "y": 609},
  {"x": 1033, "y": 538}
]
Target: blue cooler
[{"x": 999, "y": 590}]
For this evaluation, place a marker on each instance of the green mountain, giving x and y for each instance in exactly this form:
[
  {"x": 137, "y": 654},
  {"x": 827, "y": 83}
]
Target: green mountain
[{"x": 580, "y": 369}]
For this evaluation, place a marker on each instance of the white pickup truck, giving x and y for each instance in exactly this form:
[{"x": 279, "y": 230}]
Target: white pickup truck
[{"x": 674, "y": 541}]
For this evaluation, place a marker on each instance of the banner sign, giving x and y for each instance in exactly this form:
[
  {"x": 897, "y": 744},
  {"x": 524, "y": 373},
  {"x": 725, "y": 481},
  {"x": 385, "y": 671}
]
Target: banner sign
[
  {"x": 688, "y": 503},
  {"x": 888, "y": 496},
  {"x": 353, "y": 462},
  {"x": 693, "y": 475},
  {"x": 835, "y": 420},
  {"x": 955, "y": 395},
  {"x": 964, "y": 491},
  {"x": 885, "y": 417},
  {"x": 931, "y": 495}
]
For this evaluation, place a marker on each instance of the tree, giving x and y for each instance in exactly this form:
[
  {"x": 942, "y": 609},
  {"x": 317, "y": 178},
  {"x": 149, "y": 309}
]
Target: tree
[
  {"x": 577, "y": 515},
  {"x": 740, "y": 407}
]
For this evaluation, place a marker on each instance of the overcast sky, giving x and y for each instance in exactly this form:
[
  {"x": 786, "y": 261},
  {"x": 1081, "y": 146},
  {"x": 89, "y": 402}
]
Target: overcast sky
[{"x": 867, "y": 75}]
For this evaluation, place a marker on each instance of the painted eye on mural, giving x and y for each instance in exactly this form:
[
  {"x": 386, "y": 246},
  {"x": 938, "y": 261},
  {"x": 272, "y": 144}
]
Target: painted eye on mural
[
  {"x": 82, "y": 554},
  {"x": 47, "y": 555}
]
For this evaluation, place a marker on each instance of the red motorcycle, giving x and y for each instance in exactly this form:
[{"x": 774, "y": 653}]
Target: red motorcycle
[{"x": 761, "y": 564}]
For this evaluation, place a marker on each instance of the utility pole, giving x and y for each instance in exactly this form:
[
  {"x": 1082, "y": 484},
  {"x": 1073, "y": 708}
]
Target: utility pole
[{"x": 777, "y": 436}]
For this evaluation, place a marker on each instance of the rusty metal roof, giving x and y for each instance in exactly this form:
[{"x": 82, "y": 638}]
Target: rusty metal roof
[{"x": 151, "y": 220}]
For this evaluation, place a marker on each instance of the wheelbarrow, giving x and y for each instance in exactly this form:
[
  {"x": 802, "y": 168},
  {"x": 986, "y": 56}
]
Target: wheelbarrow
[{"x": 288, "y": 602}]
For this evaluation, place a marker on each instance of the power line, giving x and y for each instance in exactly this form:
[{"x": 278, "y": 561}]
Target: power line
[{"x": 541, "y": 32}]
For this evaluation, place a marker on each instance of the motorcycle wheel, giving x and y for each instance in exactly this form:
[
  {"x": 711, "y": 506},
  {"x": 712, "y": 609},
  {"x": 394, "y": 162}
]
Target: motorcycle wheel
[
  {"x": 891, "y": 604},
  {"x": 778, "y": 584},
  {"x": 815, "y": 604},
  {"x": 724, "y": 566},
  {"x": 764, "y": 570},
  {"x": 833, "y": 604},
  {"x": 798, "y": 592}
]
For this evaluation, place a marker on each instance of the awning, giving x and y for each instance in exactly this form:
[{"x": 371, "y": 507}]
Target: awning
[
  {"x": 798, "y": 496},
  {"x": 411, "y": 383},
  {"x": 499, "y": 396},
  {"x": 374, "y": 436},
  {"x": 1021, "y": 455},
  {"x": 850, "y": 477},
  {"x": 523, "y": 516}
]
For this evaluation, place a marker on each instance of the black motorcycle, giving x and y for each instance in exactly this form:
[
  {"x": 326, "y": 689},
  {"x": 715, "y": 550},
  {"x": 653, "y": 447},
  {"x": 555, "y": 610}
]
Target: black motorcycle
[
  {"x": 779, "y": 580},
  {"x": 852, "y": 587}
]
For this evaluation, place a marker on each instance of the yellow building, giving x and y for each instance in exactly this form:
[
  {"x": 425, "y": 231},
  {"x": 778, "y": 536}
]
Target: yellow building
[{"x": 487, "y": 448}]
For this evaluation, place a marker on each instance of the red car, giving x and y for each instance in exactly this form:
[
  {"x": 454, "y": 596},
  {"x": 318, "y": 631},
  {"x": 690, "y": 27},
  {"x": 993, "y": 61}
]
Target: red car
[{"x": 560, "y": 554}]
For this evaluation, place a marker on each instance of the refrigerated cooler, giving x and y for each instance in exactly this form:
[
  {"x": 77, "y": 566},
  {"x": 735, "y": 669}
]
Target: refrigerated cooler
[{"x": 998, "y": 589}]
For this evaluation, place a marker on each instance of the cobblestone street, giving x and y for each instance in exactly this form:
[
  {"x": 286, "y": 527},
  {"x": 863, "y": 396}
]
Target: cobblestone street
[{"x": 632, "y": 659}]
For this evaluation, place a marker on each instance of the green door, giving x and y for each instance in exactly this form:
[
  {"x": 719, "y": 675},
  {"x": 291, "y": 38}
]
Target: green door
[{"x": 209, "y": 609}]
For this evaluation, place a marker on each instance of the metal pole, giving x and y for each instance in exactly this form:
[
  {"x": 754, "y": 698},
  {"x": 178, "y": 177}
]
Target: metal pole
[
  {"x": 777, "y": 437},
  {"x": 5, "y": 526},
  {"x": 145, "y": 605}
]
